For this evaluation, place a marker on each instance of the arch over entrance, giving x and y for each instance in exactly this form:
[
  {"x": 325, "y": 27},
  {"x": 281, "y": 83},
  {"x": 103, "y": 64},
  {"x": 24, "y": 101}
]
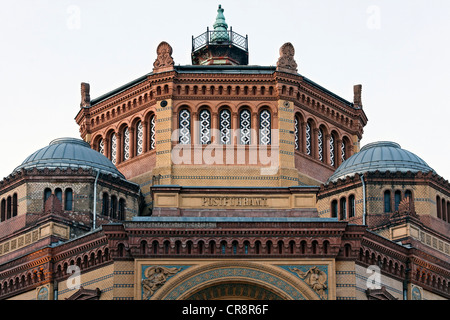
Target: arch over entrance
[{"x": 234, "y": 280}]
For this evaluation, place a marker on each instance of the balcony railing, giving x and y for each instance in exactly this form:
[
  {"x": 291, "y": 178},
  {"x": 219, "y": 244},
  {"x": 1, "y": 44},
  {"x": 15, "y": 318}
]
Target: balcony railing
[{"x": 220, "y": 37}]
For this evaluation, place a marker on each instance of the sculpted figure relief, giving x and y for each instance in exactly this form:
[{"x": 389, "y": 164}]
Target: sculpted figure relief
[
  {"x": 164, "y": 56},
  {"x": 155, "y": 277},
  {"x": 286, "y": 60},
  {"x": 315, "y": 278}
]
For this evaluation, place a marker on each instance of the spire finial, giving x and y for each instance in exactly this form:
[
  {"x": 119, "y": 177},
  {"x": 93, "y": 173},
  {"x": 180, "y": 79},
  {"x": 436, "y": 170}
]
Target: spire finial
[{"x": 220, "y": 33}]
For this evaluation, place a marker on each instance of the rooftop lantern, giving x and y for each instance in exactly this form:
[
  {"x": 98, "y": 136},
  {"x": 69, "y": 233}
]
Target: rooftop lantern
[{"x": 221, "y": 46}]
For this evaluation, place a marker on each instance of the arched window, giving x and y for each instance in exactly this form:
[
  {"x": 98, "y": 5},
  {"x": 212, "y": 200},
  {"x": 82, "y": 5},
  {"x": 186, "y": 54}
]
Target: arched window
[
  {"x": 225, "y": 126},
  {"x": 320, "y": 144},
  {"x": 143, "y": 247},
  {"x": 408, "y": 194},
  {"x": 201, "y": 246},
  {"x": 204, "y": 119},
  {"x": 152, "y": 131},
  {"x": 139, "y": 138},
  {"x": 185, "y": 127},
  {"x": 257, "y": 247},
  {"x": 212, "y": 247},
  {"x": 397, "y": 199},
  {"x": 235, "y": 245},
  {"x": 113, "y": 149},
  {"x": 8, "y": 207},
  {"x": 343, "y": 150},
  {"x": 68, "y": 200},
  {"x": 269, "y": 247},
  {"x": 14, "y": 205},
  {"x": 296, "y": 133},
  {"x": 332, "y": 150},
  {"x": 223, "y": 247},
  {"x": 387, "y": 201},
  {"x": 265, "y": 126},
  {"x": 334, "y": 209},
  {"x": 443, "y": 208},
  {"x": 351, "y": 206},
  {"x": 58, "y": 194},
  {"x": 343, "y": 209},
  {"x": 113, "y": 213},
  {"x": 122, "y": 206},
  {"x": 189, "y": 246},
  {"x": 308, "y": 136},
  {"x": 105, "y": 204},
  {"x": 3, "y": 210},
  {"x": 126, "y": 144},
  {"x": 245, "y": 125},
  {"x": 101, "y": 146},
  {"x": 47, "y": 194},
  {"x": 438, "y": 206},
  {"x": 246, "y": 246}
]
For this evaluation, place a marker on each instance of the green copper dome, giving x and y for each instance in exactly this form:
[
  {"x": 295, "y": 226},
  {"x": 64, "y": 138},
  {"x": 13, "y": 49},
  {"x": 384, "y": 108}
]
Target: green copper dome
[
  {"x": 72, "y": 153},
  {"x": 380, "y": 156}
]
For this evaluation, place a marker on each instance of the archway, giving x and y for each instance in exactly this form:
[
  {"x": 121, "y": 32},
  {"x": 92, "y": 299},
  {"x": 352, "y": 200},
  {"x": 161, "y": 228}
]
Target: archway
[{"x": 235, "y": 280}]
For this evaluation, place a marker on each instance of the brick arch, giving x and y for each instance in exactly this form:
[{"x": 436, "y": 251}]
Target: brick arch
[{"x": 281, "y": 282}]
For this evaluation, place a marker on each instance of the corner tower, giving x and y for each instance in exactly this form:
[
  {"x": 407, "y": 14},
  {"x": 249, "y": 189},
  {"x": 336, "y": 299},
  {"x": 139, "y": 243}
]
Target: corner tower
[{"x": 220, "y": 46}]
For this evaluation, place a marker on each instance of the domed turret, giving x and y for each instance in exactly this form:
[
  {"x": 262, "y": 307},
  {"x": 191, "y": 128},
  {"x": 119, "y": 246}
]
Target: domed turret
[
  {"x": 66, "y": 153},
  {"x": 382, "y": 156}
]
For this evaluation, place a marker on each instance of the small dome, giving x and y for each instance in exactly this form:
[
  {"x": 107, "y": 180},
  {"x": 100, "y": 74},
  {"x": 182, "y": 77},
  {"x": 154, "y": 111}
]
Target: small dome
[
  {"x": 66, "y": 153},
  {"x": 382, "y": 156}
]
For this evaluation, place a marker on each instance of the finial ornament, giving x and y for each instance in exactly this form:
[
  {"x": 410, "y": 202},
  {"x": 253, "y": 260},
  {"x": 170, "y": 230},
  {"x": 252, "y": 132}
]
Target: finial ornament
[
  {"x": 85, "y": 96},
  {"x": 164, "y": 57},
  {"x": 286, "y": 61},
  {"x": 220, "y": 33}
]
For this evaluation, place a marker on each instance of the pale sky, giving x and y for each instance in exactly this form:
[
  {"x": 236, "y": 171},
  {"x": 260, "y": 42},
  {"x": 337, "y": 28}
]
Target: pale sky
[{"x": 398, "y": 50}]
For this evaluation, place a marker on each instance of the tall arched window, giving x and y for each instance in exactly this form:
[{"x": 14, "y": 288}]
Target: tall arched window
[
  {"x": 139, "y": 138},
  {"x": 14, "y": 205},
  {"x": 122, "y": 205},
  {"x": 8, "y": 207},
  {"x": 296, "y": 133},
  {"x": 343, "y": 149},
  {"x": 334, "y": 209},
  {"x": 58, "y": 194},
  {"x": 225, "y": 126},
  {"x": 113, "y": 149},
  {"x": 47, "y": 194},
  {"x": 204, "y": 119},
  {"x": 68, "y": 200},
  {"x": 397, "y": 199},
  {"x": 387, "y": 201},
  {"x": 152, "y": 131},
  {"x": 265, "y": 126},
  {"x": 443, "y": 208},
  {"x": 3, "y": 210},
  {"x": 408, "y": 194},
  {"x": 351, "y": 206},
  {"x": 113, "y": 208},
  {"x": 320, "y": 144},
  {"x": 308, "y": 139},
  {"x": 332, "y": 150},
  {"x": 101, "y": 146},
  {"x": 343, "y": 209},
  {"x": 126, "y": 144},
  {"x": 185, "y": 127},
  {"x": 438, "y": 206},
  {"x": 245, "y": 125},
  {"x": 105, "y": 204}
]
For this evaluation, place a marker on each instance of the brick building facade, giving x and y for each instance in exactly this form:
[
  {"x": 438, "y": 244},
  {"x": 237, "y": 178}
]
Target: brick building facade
[{"x": 222, "y": 180}]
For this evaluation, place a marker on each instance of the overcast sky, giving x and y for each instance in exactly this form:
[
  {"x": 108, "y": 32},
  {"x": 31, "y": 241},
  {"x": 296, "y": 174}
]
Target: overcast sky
[{"x": 398, "y": 50}]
